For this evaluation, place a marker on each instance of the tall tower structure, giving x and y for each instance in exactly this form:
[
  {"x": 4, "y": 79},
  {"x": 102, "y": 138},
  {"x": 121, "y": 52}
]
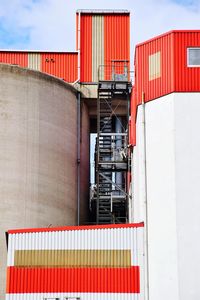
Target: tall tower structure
[
  {"x": 103, "y": 44},
  {"x": 112, "y": 144}
]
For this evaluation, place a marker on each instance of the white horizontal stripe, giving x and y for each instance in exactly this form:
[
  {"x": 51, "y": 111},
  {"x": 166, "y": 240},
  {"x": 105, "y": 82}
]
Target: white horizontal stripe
[
  {"x": 83, "y": 296},
  {"x": 112, "y": 239}
]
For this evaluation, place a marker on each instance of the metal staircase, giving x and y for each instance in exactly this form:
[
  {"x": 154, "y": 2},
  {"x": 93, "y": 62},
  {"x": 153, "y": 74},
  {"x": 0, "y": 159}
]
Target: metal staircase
[
  {"x": 111, "y": 149},
  {"x": 104, "y": 187}
]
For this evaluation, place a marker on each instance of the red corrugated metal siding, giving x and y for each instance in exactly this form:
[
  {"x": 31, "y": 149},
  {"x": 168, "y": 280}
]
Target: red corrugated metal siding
[
  {"x": 116, "y": 38},
  {"x": 187, "y": 79},
  {"x": 77, "y": 17},
  {"x": 176, "y": 76},
  {"x": 132, "y": 132},
  {"x": 86, "y": 48},
  {"x": 151, "y": 89},
  {"x": 62, "y": 65},
  {"x": 52, "y": 280},
  {"x": 14, "y": 58}
]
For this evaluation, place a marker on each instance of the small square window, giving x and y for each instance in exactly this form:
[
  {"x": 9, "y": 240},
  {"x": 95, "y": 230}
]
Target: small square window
[
  {"x": 193, "y": 57},
  {"x": 72, "y": 298}
]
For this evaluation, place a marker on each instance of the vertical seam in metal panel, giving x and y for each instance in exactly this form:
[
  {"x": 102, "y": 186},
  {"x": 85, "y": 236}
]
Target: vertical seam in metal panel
[{"x": 93, "y": 46}]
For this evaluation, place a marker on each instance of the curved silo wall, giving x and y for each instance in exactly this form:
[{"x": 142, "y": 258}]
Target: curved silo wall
[{"x": 38, "y": 153}]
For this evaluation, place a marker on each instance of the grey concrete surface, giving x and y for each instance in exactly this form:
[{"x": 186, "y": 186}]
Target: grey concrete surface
[{"x": 38, "y": 153}]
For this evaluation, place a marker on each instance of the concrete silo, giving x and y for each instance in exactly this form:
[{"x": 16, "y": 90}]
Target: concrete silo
[{"x": 38, "y": 153}]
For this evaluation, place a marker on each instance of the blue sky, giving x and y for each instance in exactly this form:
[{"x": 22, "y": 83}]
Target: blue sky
[{"x": 50, "y": 24}]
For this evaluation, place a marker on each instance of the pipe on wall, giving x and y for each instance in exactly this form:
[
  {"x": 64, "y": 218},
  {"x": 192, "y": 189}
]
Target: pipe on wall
[
  {"x": 144, "y": 189},
  {"x": 118, "y": 129}
]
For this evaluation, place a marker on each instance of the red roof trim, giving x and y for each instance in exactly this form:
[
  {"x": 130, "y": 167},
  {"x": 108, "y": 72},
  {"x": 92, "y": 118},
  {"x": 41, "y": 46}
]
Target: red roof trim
[
  {"x": 38, "y": 51},
  {"x": 68, "y": 228},
  {"x": 165, "y": 34}
]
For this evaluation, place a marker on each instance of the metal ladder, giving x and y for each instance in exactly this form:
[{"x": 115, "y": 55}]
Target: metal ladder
[{"x": 104, "y": 187}]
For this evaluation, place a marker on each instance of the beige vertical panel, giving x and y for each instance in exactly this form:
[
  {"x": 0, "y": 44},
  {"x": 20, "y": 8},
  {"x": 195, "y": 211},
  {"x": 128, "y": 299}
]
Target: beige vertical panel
[
  {"x": 97, "y": 45},
  {"x": 34, "y": 61},
  {"x": 154, "y": 66}
]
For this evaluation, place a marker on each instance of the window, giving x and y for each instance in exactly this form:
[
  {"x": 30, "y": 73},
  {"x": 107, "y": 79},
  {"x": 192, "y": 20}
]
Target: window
[
  {"x": 193, "y": 57},
  {"x": 51, "y": 298},
  {"x": 72, "y": 298},
  {"x": 154, "y": 66}
]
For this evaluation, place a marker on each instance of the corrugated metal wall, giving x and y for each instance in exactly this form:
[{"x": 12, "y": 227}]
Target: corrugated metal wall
[
  {"x": 104, "y": 37},
  {"x": 89, "y": 262},
  {"x": 97, "y": 45},
  {"x": 116, "y": 38},
  {"x": 161, "y": 65},
  {"x": 86, "y": 48},
  {"x": 62, "y": 65},
  {"x": 77, "y": 28},
  {"x": 154, "y": 68},
  {"x": 14, "y": 58},
  {"x": 34, "y": 61},
  {"x": 187, "y": 79}
]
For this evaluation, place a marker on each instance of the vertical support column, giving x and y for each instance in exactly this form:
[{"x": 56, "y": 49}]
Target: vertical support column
[
  {"x": 144, "y": 195},
  {"x": 78, "y": 154},
  {"x": 79, "y": 46},
  {"x": 118, "y": 129},
  {"x": 97, "y": 158}
]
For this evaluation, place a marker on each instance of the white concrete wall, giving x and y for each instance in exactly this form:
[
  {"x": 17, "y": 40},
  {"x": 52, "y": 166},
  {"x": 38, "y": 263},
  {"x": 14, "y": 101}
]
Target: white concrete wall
[
  {"x": 187, "y": 162},
  {"x": 172, "y": 189}
]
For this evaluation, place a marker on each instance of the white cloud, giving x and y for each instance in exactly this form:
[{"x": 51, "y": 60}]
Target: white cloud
[{"x": 50, "y": 24}]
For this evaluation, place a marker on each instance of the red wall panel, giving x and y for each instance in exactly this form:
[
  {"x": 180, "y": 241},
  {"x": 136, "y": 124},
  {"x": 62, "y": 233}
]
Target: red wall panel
[
  {"x": 187, "y": 79},
  {"x": 150, "y": 89},
  {"x": 132, "y": 128},
  {"x": 62, "y": 65},
  {"x": 116, "y": 39},
  {"x": 14, "y": 58},
  {"x": 86, "y": 48},
  {"x": 77, "y": 20},
  {"x": 85, "y": 280},
  {"x": 176, "y": 76}
]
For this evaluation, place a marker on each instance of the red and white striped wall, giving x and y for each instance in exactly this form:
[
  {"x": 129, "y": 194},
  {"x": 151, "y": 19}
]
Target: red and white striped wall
[{"x": 99, "y": 262}]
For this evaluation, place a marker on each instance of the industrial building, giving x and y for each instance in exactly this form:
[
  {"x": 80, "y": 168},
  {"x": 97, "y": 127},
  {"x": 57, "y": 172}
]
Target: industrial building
[
  {"x": 86, "y": 262},
  {"x": 165, "y": 161},
  {"x": 146, "y": 166},
  {"x": 49, "y": 108}
]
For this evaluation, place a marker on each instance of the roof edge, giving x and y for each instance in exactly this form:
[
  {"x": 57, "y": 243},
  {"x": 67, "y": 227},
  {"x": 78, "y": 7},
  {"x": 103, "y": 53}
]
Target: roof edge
[
  {"x": 167, "y": 33},
  {"x": 74, "y": 228},
  {"x": 103, "y": 11},
  {"x": 39, "y": 51}
]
